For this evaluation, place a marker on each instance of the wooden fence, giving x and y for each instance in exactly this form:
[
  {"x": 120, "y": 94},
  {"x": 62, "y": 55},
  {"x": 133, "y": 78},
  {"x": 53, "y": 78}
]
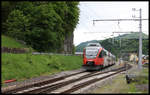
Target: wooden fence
[{"x": 13, "y": 50}]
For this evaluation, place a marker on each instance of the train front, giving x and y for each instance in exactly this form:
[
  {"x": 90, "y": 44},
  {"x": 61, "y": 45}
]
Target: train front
[{"x": 90, "y": 53}]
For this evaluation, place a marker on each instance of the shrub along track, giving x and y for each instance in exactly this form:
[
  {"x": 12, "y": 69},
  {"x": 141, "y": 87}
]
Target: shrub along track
[{"x": 56, "y": 83}]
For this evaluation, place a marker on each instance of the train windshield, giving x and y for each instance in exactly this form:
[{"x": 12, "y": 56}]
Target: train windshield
[{"x": 91, "y": 52}]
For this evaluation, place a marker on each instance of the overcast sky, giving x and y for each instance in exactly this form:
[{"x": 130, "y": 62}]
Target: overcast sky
[{"x": 108, "y": 10}]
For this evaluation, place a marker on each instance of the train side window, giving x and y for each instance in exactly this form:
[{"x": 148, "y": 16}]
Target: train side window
[{"x": 102, "y": 53}]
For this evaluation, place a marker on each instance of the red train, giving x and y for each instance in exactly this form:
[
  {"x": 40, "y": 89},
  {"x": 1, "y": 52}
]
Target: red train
[{"x": 95, "y": 57}]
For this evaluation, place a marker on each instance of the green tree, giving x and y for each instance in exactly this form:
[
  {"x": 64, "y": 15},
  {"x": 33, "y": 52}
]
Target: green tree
[
  {"x": 17, "y": 24},
  {"x": 6, "y": 8},
  {"x": 43, "y": 25}
]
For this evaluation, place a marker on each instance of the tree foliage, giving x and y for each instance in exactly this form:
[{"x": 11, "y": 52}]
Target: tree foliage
[
  {"x": 127, "y": 46},
  {"x": 6, "y": 8},
  {"x": 43, "y": 25},
  {"x": 17, "y": 24}
]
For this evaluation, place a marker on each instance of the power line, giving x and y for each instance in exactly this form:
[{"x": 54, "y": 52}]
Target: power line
[
  {"x": 119, "y": 19},
  {"x": 140, "y": 32},
  {"x": 93, "y": 11}
]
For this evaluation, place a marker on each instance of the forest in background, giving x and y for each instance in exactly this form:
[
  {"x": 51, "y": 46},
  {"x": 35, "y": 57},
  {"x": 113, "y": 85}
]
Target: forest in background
[{"x": 126, "y": 43}]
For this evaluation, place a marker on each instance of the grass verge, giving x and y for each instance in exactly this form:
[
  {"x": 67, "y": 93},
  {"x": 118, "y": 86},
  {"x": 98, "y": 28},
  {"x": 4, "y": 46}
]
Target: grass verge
[
  {"x": 119, "y": 85},
  {"x": 24, "y": 66}
]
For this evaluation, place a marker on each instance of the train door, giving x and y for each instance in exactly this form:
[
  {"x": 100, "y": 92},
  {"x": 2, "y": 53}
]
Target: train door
[
  {"x": 101, "y": 56},
  {"x": 84, "y": 59},
  {"x": 106, "y": 58}
]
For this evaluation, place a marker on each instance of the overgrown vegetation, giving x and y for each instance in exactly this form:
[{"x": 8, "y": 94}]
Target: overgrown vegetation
[
  {"x": 42, "y": 25},
  {"x": 23, "y": 66}
]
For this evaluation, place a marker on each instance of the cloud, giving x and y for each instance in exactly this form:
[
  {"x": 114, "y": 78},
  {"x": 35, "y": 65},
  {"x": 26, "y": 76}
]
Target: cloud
[{"x": 108, "y": 10}]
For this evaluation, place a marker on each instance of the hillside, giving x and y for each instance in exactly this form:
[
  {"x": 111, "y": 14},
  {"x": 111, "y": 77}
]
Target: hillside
[
  {"x": 11, "y": 42},
  {"x": 80, "y": 47},
  {"x": 129, "y": 42},
  {"x": 134, "y": 35}
]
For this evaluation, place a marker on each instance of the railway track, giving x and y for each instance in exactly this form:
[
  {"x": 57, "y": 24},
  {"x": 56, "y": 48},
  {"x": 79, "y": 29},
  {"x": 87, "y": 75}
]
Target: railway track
[
  {"x": 73, "y": 82},
  {"x": 78, "y": 86},
  {"x": 14, "y": 90}
]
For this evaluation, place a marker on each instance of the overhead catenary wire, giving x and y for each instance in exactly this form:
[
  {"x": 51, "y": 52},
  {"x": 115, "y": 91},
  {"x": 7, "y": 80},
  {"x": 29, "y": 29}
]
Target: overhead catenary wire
[{"x": 93, "y": 14}]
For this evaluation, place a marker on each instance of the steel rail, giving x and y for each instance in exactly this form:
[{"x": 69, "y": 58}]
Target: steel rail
[
  {"x": 50, "y": 88},
  {"x": 14, "y": 90}
]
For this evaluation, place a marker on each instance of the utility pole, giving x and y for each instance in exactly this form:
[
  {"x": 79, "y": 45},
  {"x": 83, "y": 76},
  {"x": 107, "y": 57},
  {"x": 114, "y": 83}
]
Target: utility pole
[
  {"x": 120, "y": 41},
  {"x": 140, "y": 38},
  {"x": 140, "y": 41},
  {"x": 140, "y": 32}
]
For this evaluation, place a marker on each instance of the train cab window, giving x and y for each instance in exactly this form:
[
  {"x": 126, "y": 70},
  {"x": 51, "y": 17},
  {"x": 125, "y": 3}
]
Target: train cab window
[{"x": 102, "y": 54}]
